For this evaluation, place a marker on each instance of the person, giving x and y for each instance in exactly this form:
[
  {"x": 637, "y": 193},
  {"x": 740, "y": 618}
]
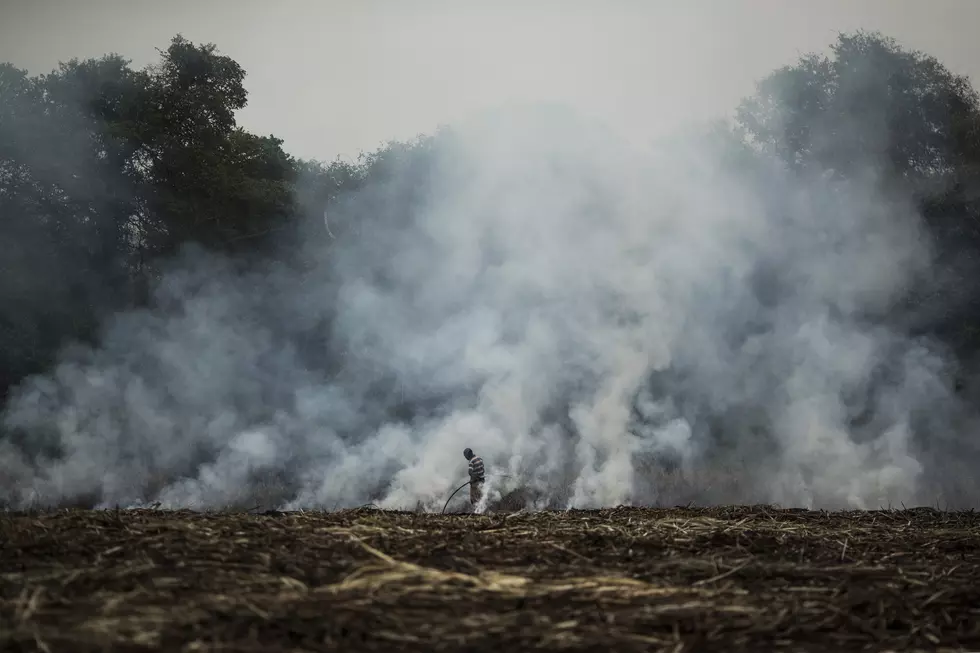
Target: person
[{"x": 477, "y": 475}]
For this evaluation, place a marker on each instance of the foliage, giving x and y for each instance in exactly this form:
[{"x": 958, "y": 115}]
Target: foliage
[
  {"x": 875, "y": 110},
  {"x": 106, "y": 172}
]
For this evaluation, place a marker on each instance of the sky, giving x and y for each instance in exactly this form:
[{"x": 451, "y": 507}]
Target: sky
[{"x": 335, "y": 78}]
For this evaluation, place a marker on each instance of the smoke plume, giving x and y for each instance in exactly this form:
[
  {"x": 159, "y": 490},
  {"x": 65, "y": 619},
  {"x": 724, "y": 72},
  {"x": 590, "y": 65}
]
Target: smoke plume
[{"x": 603, "y": 323}]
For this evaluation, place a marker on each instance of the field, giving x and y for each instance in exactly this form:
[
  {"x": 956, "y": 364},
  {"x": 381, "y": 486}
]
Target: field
[{"x": 721, "y": 579}]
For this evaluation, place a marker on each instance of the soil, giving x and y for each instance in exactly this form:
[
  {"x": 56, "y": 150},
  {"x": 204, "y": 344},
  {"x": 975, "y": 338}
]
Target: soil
[{"x": 625, "y": 579}]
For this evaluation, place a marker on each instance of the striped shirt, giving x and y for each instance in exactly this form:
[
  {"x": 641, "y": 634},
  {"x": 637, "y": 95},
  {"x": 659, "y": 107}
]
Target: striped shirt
[{"x": 476, "y": 469}]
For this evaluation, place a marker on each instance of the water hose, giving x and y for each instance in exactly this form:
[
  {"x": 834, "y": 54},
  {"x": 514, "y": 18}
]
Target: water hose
[
  {"x": 454, "y": 494},
  {"x": 464, "y": 485}
]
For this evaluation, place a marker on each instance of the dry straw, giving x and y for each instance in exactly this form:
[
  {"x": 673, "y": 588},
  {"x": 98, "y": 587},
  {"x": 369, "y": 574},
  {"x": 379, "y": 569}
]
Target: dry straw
[{"x": 626, "y": 579}]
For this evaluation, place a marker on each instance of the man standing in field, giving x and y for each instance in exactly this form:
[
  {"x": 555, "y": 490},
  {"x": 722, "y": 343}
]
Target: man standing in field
[{"x": 477, "y": 476}]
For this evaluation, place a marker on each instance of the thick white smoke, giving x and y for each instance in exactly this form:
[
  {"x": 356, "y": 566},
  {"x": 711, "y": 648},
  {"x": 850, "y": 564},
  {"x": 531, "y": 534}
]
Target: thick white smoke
[{"x": 576, "y": 309}]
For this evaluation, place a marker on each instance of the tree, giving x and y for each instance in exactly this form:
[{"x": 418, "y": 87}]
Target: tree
[
  {"x": 875, "y": 110},
  {"x": 64, "y": 202},
  {"x": 106, "y": 172},
  {"x": 870, "y": 104}
]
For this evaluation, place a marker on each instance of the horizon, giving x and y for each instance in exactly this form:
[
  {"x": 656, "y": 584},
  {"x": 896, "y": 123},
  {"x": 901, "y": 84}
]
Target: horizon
[{"x": 433, "y": 63}]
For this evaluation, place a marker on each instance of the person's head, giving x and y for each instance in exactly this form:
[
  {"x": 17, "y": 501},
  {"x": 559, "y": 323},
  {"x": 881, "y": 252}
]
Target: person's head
[{"x": 467, "y": 453}]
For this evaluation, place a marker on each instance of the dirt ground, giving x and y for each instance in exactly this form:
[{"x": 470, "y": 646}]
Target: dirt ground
[{"x": 723, "y": 579}]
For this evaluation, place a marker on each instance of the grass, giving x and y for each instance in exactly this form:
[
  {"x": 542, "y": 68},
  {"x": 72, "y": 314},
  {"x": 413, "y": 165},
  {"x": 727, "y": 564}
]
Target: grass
[{"x": 708, "y": 579}]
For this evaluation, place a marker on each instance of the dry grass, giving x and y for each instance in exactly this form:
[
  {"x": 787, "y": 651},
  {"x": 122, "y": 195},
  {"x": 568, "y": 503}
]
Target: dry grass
[{"x": 716, "y": 579}]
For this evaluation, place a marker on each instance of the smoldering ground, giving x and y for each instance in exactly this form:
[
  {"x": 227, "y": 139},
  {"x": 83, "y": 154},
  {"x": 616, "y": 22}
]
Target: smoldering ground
[{"x": 590, "y": 316}]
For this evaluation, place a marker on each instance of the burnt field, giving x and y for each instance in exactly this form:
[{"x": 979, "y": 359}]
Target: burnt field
[{"x": 718, "y": 579}]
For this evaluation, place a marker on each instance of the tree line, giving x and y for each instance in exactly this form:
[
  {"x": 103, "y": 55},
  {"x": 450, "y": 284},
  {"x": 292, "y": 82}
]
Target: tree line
[{"x": 107, "y": 171}]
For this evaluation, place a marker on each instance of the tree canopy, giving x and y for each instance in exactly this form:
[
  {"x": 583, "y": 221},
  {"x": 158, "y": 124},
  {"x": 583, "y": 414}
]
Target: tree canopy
[
  {"x": 873, "y": 108},
  {"x": 107, "y": 171}
]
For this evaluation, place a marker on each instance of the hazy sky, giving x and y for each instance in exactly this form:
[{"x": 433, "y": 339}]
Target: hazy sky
[{"x": 333, "y": 78}]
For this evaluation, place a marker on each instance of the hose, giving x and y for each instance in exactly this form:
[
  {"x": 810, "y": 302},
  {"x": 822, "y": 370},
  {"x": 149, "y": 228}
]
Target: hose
[
  {"x": 454, "y": 494},
  {"x": 464, "y": 485}
]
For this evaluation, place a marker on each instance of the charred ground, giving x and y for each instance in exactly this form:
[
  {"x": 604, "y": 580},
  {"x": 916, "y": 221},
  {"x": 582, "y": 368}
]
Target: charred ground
[{"x": 716, "y": 579}]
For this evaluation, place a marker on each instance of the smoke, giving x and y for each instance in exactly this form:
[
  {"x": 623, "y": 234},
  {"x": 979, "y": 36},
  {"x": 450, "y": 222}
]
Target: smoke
[{"x": 598, "y": 321}]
